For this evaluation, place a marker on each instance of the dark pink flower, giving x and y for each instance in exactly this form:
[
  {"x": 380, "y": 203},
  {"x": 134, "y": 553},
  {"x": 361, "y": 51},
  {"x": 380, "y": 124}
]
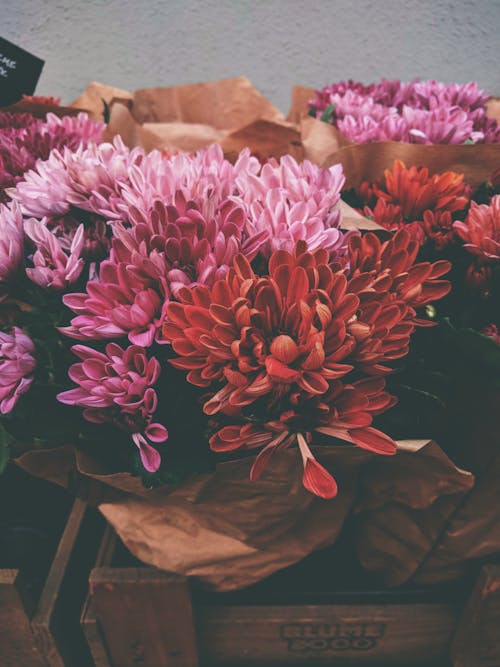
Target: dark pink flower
[
  {"x": 117, "y": 386},
  {"x": 492, "y": 332}
]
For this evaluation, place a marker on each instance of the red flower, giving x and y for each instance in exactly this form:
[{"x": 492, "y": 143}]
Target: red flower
[
  {"x": 40, "y": 99},
  {"x": 437, "y": 226},
  {"x": 283, "y": 343},
  {"x": 415, "y": 191},
  {"x": 413, "y": 199}
]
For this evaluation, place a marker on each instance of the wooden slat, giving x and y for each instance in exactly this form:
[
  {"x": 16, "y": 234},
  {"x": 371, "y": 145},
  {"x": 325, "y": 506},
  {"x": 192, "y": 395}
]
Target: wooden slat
[
  {"x": 17, "y": 645},
  {"x": 146, "y": 617},
  {"x": 328, "y": 635},
  {"x": 43, "y": 621},
  {"x": 89, "y": 622},
  {"x": 93, "y": 635},
  {"x": 477, "y": 638}
]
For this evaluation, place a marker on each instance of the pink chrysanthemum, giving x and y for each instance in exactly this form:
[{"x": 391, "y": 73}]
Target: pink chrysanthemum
[
  {"x": 24, "y": 140},
  {"x": 427, "y": 112},
  {"x": 117, "y": 386},
  {"x": 292, "y": 202},
  {"x": 17, "y": 366},
  {"x": 11, "y": 243}
]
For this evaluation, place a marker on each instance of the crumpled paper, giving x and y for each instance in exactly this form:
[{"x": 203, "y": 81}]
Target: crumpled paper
[
  {"x": 230, "y": 112},
  {"x": 398, "y": 525},
  {"x": 231, "y": 532},
  {"x": 437, "y": 543}
]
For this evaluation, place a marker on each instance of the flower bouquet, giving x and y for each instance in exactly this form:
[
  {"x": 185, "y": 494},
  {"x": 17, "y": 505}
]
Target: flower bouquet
[
  {"x": 424, "y": 123},
  {"x": 232, "y": 344}
]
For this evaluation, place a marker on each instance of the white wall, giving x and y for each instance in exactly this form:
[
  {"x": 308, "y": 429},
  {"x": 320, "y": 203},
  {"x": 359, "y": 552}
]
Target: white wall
[{"x": 276, "y": 43}]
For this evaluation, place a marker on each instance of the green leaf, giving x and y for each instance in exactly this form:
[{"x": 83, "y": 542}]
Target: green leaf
[
  {"x": 327, "y": 114},
  {"x": 5, "y": 441},
  {"x": 312, "y": 112},
  {"x": 106, "y": 111}
]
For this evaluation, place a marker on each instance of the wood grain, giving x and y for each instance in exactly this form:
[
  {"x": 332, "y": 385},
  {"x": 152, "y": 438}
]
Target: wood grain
[
  {"x": 146, "y": 617},
  {"x": 17, "y": 645},
  {"x": 477, "y": 639},
  {"x": 327, "y": 634}
]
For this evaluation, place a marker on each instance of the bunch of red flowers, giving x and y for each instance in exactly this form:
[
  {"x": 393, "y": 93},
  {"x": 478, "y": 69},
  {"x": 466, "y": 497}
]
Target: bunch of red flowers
[
  {"x": 302, "y": 350},
  {"x": 451, "y": 221}
]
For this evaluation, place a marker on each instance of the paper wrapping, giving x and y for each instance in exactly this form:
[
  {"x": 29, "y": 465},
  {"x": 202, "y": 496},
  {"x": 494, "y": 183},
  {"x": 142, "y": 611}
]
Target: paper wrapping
[
  {"x": 366, "y": 162},
  {"x": 438, "y": 544},
  {"x": 397, "y": 526},
  {"x": 231, "y": 532},
  {"x": 230, "y": 112}
]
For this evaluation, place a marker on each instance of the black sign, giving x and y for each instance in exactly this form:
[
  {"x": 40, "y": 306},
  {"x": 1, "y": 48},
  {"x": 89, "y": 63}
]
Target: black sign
[{"x": 19, "y": 72}]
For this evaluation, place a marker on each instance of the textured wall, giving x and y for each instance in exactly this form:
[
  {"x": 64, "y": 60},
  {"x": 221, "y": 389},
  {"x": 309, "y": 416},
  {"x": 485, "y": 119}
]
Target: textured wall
[{"x": 276, "y": 43}]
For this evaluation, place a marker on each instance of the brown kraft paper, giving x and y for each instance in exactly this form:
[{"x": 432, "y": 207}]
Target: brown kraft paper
[
  {"x": 399, "y": 525},
  {"x": 231, "y": 532}
]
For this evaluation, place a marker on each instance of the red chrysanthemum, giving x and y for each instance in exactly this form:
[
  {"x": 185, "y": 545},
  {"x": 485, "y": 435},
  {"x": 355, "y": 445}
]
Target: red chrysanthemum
[
  {"x": 279, "y": 347},
  {"x": 408, "y": 196}
]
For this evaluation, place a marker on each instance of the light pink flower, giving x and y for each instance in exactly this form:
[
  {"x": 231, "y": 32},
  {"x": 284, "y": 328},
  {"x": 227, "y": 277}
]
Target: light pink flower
[
  {"x": 44, "y": 190},
  {"x": 292, "y": 201},
  {"x": 52, "y": 267},
  {"x": 17, "y": 365},
  {"x": 206, "y": 179},
  {"x": 117, "y": 386},
  {"x": 97, "y": 175},
  {"x": 11, "y": 242}
]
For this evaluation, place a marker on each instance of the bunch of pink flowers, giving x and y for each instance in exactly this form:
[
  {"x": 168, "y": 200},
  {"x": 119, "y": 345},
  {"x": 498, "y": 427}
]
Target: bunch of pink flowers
[
  {"x": 25, "y": 139},
  {"x": 423, "y": 112}
]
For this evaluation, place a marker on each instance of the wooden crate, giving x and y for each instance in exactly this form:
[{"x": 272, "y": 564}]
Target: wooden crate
[
  {"x": 138, "y": 615},
  {"x": 39, "y": 621}
]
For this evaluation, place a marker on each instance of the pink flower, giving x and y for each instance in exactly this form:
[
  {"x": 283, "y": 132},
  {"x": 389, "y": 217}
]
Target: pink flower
[
  {"x": 492, "y": 332},
  {"x": 481, "y": 230},
  {"x": 117, "y": 386},
  {"x": 443, "y": 125},
  {"x": 116, "y": 305},
  {"x": 206, "y": 179},
  {"x": 290, "y": 202},
  {"x": 428, "y": 112},
  {"x": 17, "y": 365},
  {"x": 79, "y": 128},
  {"x": 97, "y": 175},
  {"x": 24, "y": 140},
  {"x": 44, "y": 190},
  {"x": 11, "y": 242},
  {"x": 53, "y": 268}
]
